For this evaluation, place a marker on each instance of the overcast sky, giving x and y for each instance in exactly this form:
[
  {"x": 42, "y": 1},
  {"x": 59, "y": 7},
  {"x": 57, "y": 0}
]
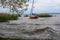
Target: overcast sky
[
  {"x": 42, "y": 6},
  {"x": 45, "y": 6}
]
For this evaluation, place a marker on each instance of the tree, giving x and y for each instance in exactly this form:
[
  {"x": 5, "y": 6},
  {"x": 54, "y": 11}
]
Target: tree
[{"x": 17, "y": 6}]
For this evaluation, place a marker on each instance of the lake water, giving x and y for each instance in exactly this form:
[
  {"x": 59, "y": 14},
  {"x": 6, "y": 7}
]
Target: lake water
[{"x": 41, "y": 28}]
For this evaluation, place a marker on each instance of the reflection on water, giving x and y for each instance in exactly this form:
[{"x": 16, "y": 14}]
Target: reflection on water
[{"x": 41, "y": 28}]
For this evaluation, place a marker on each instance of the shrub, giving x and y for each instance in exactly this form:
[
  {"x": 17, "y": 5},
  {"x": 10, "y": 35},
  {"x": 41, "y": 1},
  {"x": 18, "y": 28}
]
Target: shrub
[
  {"x": 44, "y": 15},
  {"x": 25, "y": 15},
  {"x": 13, "y": 17},
  {"x": 5, "y": 17},
  {"x": 25, "y": 39},
  {"x": 19, "y": 15}
]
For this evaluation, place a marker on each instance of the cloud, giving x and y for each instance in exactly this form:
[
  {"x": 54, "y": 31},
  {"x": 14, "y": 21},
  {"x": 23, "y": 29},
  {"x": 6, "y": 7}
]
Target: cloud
[{"x": 45, "y": 6}]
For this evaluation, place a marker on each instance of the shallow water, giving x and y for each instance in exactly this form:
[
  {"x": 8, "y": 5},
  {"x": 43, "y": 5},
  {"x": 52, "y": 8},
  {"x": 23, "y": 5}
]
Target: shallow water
[{"x": 32, "y": 28}]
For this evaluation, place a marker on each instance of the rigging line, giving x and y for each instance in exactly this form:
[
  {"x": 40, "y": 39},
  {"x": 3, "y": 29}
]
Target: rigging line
[{"x": 32, "y": 8}]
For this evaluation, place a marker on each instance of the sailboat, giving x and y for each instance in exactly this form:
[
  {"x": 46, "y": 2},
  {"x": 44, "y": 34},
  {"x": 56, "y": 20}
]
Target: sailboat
[{"x": 32, "y": 15}]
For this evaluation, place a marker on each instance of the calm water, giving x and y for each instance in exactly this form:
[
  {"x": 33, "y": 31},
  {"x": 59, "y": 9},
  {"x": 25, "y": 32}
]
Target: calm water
[{"x": 26, "y": 28}]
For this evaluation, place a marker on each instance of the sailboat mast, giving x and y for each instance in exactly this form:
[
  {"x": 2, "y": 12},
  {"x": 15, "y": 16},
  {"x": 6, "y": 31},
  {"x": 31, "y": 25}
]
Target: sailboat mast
[{"x": 32, "y": 8}]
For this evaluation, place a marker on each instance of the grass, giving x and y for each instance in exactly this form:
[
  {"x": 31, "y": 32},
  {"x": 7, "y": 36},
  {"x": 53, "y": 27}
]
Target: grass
[
  {"x": 7, "y": 17},
  {"x": 23, "y": 39},
  {"x": 44, "y": 15},
  {"x": 10, "y": 39}
]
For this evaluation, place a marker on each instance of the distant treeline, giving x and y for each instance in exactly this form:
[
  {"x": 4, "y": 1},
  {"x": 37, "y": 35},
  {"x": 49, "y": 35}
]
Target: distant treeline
[{"x": 40, "y": 15}]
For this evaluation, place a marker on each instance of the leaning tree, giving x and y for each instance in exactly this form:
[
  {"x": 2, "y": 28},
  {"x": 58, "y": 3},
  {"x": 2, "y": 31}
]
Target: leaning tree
[{"x": 17, "y": 6}]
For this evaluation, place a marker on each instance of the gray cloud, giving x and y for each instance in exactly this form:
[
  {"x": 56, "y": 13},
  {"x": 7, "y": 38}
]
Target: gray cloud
[{"x": 46, "y": 6}]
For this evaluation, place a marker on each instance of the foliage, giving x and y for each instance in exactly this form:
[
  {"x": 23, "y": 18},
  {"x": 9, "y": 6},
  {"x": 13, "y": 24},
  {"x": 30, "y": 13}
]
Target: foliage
[
  {"x": 24, "y": 39},
  {"x": 44, "y": 15},
  {"x": 19, "y": 15},
  {"x": 13, "y": 17},
  {"x": 10, "y": 39},
  {"x": 18, "y": 6},
  {"x": 26, "y": 15},
  {"x": 5, "y": 17}
]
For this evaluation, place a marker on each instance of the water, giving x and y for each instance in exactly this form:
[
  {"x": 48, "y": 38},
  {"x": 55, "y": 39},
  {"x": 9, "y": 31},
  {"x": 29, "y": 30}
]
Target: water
[{"x": 41, "y": 28}]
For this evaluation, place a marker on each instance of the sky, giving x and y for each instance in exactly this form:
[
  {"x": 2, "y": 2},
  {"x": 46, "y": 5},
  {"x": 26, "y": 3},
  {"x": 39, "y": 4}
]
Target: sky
[
  {"x": 45, "y": 6},
  {"x": 41, "y": 6},
  {"x": 4, "y": 10}
]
